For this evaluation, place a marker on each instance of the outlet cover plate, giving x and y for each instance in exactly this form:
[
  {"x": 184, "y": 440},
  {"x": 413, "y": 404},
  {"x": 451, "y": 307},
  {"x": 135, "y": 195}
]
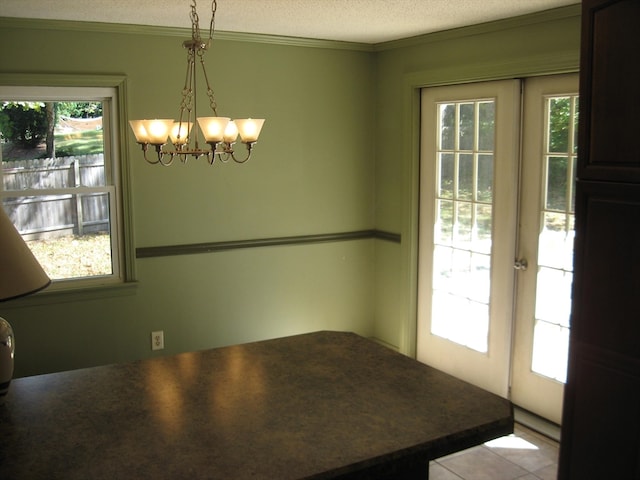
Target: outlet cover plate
[{"x": 157, "y": 340}]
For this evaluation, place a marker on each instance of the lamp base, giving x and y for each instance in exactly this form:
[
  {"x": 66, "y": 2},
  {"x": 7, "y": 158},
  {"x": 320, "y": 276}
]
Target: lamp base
[{"x": 7, "y": 347}]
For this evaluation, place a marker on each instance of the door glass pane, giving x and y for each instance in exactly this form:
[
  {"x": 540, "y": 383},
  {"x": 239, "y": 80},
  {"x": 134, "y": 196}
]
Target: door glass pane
[
  {"x": 486, "y": 138},
  {"x": 444, "y": 223},
  {"x": 466, "y": 125},
  {"x": 485, "y": 178},
  {"x": 462, "y": 225},
  {"x": 555, "y": 243},
  {"x": 447, "y": 173},
  {"x": 482, "y": 239},
  {"x": 465, "y": 177},
  {"x": 447, "y": 114},
  {"x": 559, "y": 124},
  {"x": 462, "y": 261},
  {"x": 557, "y": 183}
]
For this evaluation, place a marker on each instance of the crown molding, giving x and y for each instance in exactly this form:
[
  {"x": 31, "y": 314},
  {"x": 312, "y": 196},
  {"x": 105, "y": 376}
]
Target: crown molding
[
  {"x": 127, "y": 29},
  {"x": 528, "y": 66},
  {"x": 555, "y": 14}
]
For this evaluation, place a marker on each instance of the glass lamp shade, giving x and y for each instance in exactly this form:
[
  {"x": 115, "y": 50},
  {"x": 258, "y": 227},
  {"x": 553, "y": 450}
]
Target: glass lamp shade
[
  {"x": 180, "y": 133},
  {"x": 139, "y": 131},
  {"x": 158, "y": 130},
  {"x": 249, "y": 129},
  {"x": 231, "y": 132},
  {"x": 213, "y": 128}
]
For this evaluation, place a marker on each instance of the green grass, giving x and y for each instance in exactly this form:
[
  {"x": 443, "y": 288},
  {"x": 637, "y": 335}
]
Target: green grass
[{"x": 80, "y": 143}]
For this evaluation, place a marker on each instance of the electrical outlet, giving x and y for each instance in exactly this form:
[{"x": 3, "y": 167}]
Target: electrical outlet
[{"x": 157, "y": 340}]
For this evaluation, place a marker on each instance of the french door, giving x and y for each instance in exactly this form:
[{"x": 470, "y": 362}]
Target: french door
[{"x": 496, "y": 235}]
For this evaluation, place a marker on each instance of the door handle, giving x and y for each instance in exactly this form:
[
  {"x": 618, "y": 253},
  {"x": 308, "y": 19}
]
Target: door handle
[{"x": 521, "y": 264}]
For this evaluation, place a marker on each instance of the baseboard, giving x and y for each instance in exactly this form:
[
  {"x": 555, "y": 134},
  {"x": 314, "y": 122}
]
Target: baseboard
[
  {"x": 384, "y": 344},
  {"x": 536, "y": 423}
]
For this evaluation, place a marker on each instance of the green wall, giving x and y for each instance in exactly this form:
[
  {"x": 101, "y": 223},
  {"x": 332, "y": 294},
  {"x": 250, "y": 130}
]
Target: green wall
[
  {"x": 312, "y": 173},
  {"x": 337, "y": 154}
]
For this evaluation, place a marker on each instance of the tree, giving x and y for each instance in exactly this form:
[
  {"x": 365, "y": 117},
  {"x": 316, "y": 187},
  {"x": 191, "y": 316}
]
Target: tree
[
  {"x": 24, "y": 123},
  {"x": 28, "y": 124},
  {"x": 80, "y": 109},
  {"x": 51, "y": 125}
]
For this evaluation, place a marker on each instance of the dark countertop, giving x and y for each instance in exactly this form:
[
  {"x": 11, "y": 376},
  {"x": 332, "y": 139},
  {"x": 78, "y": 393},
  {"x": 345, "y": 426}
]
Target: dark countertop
[{"x": 315, "y": 405}]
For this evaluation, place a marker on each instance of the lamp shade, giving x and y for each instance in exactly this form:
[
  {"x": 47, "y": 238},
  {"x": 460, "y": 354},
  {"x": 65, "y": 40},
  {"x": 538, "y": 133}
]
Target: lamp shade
[
  {"x": 20, "y": 275},
  {"x": 249, "y": 128},
  {"x": 157, "y": 130},
  {"x": 213, "y": 128},
  {"x": 180, "y": 133},
  {"x": 231, "y": 132},
  {"x": 139, "y": 131},
  {"x": 20, "y": 272}
]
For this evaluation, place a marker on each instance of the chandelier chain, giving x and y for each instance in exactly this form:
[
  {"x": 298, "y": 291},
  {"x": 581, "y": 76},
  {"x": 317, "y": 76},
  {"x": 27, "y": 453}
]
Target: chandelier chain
[
  {"x": 187, "y": 92},
  {"x": 195, "y": 21},
  {"x": 210, "y": 94},
  {"x": 200, "y": 47},
  {"x": 212, "y": 24}
]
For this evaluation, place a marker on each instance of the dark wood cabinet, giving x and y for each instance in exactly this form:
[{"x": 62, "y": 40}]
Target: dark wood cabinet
[
  {"x": 610, "y": 91},
  {"x": 601, "y": 421},
  {"x": 601, "y": 417}
]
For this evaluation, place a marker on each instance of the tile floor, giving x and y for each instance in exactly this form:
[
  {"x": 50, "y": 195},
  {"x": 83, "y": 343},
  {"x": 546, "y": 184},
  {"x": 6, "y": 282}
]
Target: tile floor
[{"x": 525, "y": 455}]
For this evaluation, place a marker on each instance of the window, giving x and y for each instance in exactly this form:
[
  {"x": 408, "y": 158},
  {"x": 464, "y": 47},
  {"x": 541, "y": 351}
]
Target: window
[{"x": 61, "y": 180}]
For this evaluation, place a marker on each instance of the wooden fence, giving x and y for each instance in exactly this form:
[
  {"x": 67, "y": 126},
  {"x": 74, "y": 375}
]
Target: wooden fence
[{"x": 56, "y": 213}]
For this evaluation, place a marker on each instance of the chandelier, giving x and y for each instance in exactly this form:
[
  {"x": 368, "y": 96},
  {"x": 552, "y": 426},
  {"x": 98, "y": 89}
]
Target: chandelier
[{"x": 220, "y": 133}]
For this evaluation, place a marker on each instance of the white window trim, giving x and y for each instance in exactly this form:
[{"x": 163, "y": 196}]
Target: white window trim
[{"x": 112, "y": 91}]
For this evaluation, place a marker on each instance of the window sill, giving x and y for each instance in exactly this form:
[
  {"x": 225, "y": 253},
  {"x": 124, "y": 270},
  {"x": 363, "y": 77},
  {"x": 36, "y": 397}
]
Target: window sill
[{"x": 52, "y": 296}]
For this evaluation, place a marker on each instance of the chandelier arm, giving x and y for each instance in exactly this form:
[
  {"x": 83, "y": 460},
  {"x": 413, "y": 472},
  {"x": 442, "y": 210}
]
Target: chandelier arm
[
  {"x": 214, "y": 147},
  {"x": 224, "y": 157},
  {"x": 249, "y": 149},
  {"x": 163, "y": 155},
  {"x": 145, "y": 147},
  {"x": 160, "y": 155}
]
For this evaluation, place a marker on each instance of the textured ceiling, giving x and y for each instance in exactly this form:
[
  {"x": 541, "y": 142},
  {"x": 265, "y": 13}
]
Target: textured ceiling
[{"x": 365, "y": 21}]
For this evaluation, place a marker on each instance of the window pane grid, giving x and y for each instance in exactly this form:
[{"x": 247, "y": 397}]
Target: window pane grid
[
  {"x": 555, "y": 244},
  {"x": 462, "y": 236}
]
